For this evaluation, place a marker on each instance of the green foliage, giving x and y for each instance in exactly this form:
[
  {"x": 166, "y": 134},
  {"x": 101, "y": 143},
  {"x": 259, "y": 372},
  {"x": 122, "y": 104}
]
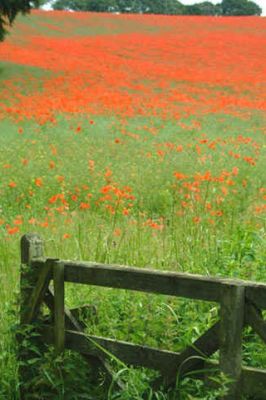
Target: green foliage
[
  {"x": 65, "y": 377},
  {"x": 204, "y": 8},
  {"x": 81, "y": 5},
  {"x": 169, "y": 7},
  {"x": 240, "y": 7},
  {"x": 124, "y": 6},
  {"x": 9, "y": 10}
]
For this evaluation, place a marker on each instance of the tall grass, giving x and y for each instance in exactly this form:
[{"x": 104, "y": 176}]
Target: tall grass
[{"x": 146, "y": 226}]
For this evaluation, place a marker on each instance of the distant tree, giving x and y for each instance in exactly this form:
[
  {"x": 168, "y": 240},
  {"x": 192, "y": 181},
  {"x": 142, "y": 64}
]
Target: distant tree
[
  {"x": 43, "y": 2},
  {"x": 204, "y": 8},
  {"x": 61, "y": 5},
  {"x": 218, "y": 9},
  {"x": 240, "y": 7},
  {"x": 123, "y": 6},
  {"x": 253, "y": 9},
  {"x": 85, "y": 5},
  {"x": 9, "y": 10},
  {"x": 170, "y": 7},
  {"x": 133, "y": 6}
]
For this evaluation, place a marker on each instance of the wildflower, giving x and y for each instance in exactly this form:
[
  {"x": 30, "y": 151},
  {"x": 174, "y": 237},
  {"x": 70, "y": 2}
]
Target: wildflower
[
  {"x": 235, "y": 171},
  {"x": 53, "y": 199},
  {"x": 18, "y": 221},
  {"x": 53, "y": 150},
  {"x": 91, "y": 165},
  {"x": 84, "y": 206},
  {"x": 12, "y": 184},
  {"x": 44, "y": 224},
  {"x": 38, "y": 182},
  {"x": 117, "y": 232},
  {"x": 108, "y": 173},
  {"x": 60, "y": 178},
  {"x": 12, "y": 231},
  {"x": 180, "y": 175},
  {"x": 196, "y": 220}
]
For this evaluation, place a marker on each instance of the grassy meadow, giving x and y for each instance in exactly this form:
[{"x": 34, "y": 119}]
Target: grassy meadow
[{"x": 134, "y": 140}]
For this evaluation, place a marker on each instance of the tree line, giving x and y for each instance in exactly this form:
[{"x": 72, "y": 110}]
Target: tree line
[{"x": 169, "y": 7}]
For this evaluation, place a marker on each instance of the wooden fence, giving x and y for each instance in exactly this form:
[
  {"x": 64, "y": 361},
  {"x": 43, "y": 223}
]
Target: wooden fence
[{"x": 241, "y": 304}]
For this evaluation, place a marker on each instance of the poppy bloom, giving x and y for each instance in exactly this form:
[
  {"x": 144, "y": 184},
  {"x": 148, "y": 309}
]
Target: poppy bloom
[
  {"x": 84, "y": 206},
  {"x": 12, "y": 230},
  {"x": 12, "y": 184},
  {"x": 38, "y": 182}
]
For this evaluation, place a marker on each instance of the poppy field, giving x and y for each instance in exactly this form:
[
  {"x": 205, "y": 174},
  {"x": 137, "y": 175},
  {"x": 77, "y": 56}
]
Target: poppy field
[{"x": 136, "y": 140}]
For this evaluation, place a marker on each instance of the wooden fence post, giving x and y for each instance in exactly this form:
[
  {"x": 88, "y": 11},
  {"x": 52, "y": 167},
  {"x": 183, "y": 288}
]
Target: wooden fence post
[
  {"x": 31, "y": 246},
  {"x": 231, "y": 326},
  {"x": 59, "y": 307}
]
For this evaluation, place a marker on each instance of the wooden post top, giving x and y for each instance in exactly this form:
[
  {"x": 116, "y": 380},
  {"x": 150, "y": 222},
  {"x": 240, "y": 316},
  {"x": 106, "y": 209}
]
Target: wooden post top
[{"x": 31, "y": 246}]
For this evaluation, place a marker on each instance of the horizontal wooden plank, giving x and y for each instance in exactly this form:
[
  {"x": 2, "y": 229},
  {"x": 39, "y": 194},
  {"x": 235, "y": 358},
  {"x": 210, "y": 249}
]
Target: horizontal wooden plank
[
  {"x": 191, "y": 286},
  {"x": 256, "y": 293},
  {"x": 253, "y": 381},
  {"x": 146, "y": 280},
  {"x": 129, "y": 353},
  {"x": 253, "y": 317}
]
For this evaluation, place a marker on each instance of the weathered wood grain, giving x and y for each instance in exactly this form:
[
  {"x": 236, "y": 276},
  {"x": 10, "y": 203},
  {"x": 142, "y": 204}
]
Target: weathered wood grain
[
  {"x": 231, "y": 326},
  {"x": 154, "y": 281},
  {"x": 131, "y": 354},
  {"x": 256, "y": 293},
  {"x": 31, "y": 309},
  {"x": 146, "y": 280},
  {"x": 31, "y": 247},
  {"x": 59, "y": 306},
  {"x": 253, "y": 383},
  {"x": 253, "y": 317}
]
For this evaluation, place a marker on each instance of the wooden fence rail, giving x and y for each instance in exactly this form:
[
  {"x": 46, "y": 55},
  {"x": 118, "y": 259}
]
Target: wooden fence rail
[{"x": 241, "y": 303}]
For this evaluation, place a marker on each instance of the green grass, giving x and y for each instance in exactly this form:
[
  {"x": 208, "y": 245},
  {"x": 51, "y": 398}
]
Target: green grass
[
  {"x": 234, "y": 247},
  {"x": 157, "y": 233}
]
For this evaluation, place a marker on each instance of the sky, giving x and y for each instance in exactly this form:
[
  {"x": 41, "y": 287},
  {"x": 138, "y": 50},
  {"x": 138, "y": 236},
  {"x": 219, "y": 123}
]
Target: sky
[{"x": 261, "y": 3}]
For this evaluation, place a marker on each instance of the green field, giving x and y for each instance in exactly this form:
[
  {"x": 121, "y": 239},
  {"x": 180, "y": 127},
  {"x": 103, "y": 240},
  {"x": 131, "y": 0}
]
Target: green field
[{"x": 154, "y": 172}]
